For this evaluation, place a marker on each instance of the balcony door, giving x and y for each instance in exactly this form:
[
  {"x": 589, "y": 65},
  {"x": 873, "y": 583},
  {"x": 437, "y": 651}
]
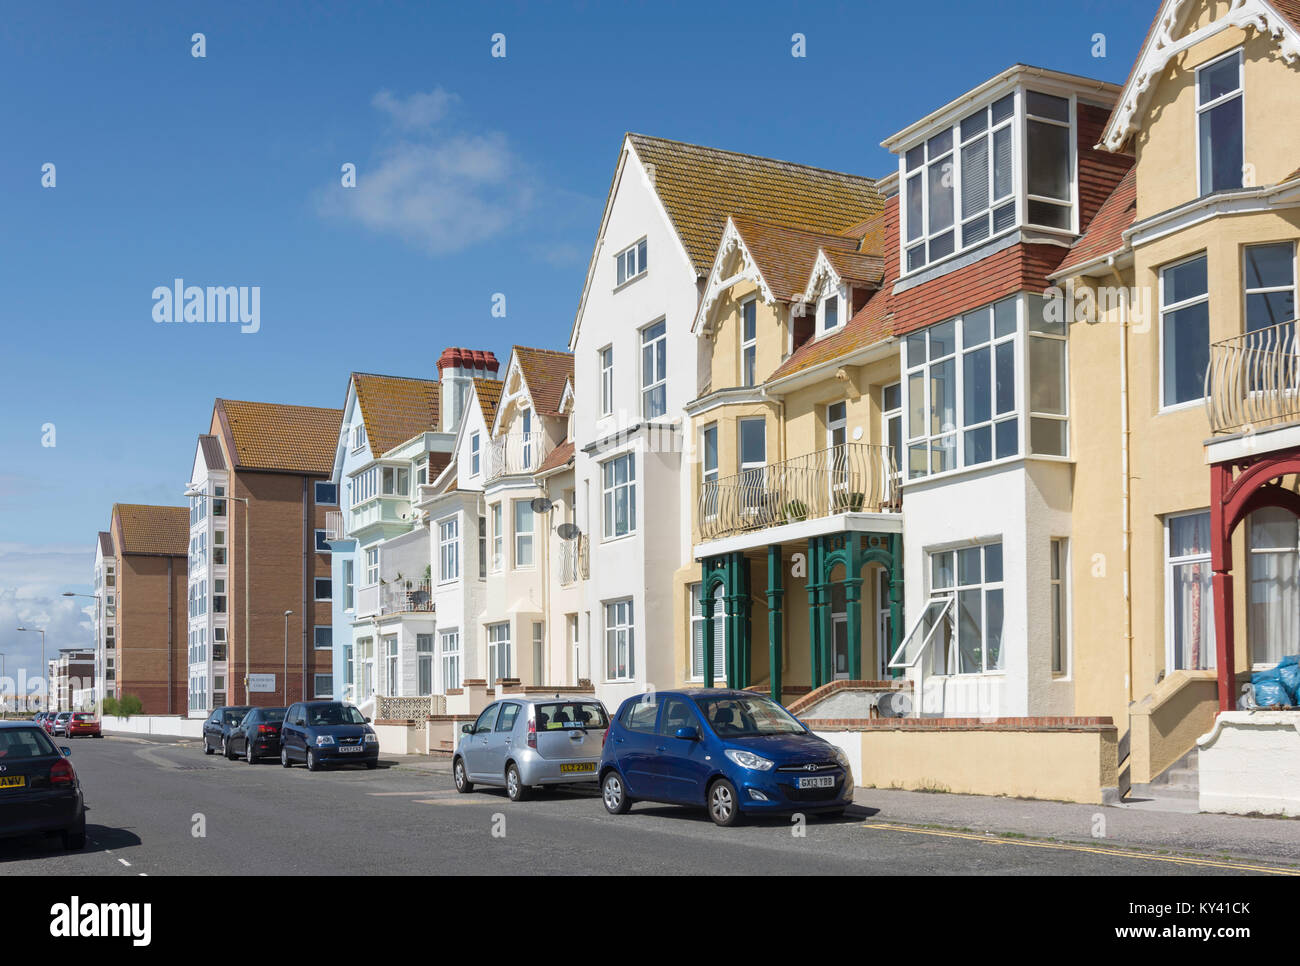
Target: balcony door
[{"x": 837, "y": 437}]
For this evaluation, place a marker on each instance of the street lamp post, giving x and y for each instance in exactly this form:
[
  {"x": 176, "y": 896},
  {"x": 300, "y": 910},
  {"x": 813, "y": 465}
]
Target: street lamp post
[
  {"x": 99, "y": 630},
  {"x": 45, "y": 668},
  {"x": 284, "y": 684},
  {"x": 247, "y": 567},
  {"x": 4, "y": 702}
]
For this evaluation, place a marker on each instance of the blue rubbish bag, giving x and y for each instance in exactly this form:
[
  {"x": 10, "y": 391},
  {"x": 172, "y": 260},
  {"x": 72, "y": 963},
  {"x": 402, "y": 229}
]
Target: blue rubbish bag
[
  {"x": 1290, "y": 677},
  {"x": 1269, "y": 689}
]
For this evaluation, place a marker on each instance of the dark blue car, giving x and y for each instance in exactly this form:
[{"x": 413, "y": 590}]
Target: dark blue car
[
  {"x": 327, "y": 732},
  {"x": 733, "y": 752}
]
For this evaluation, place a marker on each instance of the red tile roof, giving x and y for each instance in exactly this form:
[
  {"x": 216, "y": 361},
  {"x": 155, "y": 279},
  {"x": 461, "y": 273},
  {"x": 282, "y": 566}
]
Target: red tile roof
[
  {"x": 105, "y": 543},
  {"x": 785, "y": 256},
  {"x": 488, "y": 392},
  {"x": 155, "y": 530},
  {"x": 562, "y": 455},
  {"x": 545, "y": 371},
  {"x": 1105, "y": 234},
  {"x": 396, "y": 408},
  {"x": 276, "y": 437}
]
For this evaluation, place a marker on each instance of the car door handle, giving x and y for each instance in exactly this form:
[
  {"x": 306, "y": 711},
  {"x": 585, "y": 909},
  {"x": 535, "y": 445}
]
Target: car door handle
[
  {"x": 618, "y": 741},
  {"x": 661, "y": 747}
]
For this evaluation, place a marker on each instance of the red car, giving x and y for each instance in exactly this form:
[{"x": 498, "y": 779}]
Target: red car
[
  {"x": 83, "y": 724},
  {"x": 47, "y": 721}
]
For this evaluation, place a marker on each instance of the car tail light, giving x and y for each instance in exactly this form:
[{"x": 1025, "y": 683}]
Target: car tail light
[
  {"x": 62, "y": 773},
  {"x": 266, "y": 729},
  {"x": 532, "y": 734},
  {"x": 604, "y": 737}
]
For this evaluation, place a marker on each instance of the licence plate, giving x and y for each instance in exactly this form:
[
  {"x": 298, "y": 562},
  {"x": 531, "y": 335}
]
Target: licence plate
[
  {"x": 578, "y": 767},
  {"x": 13, "y": 781},
  {"x": 826, "y": 782},
  {"x": 349, "y": 749}
]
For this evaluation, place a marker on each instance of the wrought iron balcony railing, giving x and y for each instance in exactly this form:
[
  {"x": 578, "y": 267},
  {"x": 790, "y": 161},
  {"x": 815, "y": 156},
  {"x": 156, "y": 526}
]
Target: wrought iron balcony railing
[
  {"x": 402, "y": 597},
  {"x": 573, "y": 560},
  {"x": 334, "y": 526},
  {"x": 516, "y": 453},
  {"x": 848, "y": 478},
  {"x": 1253, "y": 380}
]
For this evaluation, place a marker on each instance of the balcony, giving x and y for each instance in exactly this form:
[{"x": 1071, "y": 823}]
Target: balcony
[
  {"x": 848, "y": 478},
  {"x": 516, "y": 454},
  {"x": 405, "y": 597},
  {"x": 573, "y": 560},
  {"x": 1253, "y": 380},
  {"x": 334, "y": 527}
]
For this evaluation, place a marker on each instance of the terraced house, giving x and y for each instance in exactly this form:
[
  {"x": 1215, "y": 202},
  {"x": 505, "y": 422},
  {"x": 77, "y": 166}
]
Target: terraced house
[
  {"x": 1183, "y": 296},
  {"x": 259, "y": 586}
]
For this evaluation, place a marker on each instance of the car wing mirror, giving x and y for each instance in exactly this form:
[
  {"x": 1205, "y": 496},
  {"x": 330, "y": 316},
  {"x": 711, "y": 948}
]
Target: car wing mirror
[
  {"x": 467, "y": 729},
  {"x": 67, "y": 752},
  {"x": 366, "y": 720},
  {"x": 689, "y": 733}
]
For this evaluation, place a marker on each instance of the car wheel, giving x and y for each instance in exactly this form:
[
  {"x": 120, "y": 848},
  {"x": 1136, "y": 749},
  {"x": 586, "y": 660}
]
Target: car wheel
[
  {"x": 226, "y": 751},
  {"x": 284, "y": 757},
  {"x": 614, "y": 794},
  {"x": 515, "y": 788},
  {"x": 461, "y": 777},
  {"x": 207, "y": 748},
  {"x": 248, "y": 754},
  {"x": 313, "y": 763},
  {"x": 724, "y": 807}
]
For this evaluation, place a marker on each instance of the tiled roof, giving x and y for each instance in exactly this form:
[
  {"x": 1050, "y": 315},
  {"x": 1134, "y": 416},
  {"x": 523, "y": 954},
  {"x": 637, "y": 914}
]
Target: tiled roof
[
  {"x": 701, "y": 186},
  {"x": 396, "y": 408},
  {"x": 273, "y": 436},
  {"x": 1290, "y": 9},
  {"x": 562, "y": 455},
  {"x": 545, "y": 371},
  {"x": 213, "y": 458},
  {"x": 854, "y": 266},
  {"x": 105, "y": 543},
  {"x": 785, "y": 256},
  {"x": 871, "y": 323},
  {"x": 1105, "y": 234},
  {"x": 153, "y": 529},
  {"x": 437, "y": 463},
  {"x": 488, "y": 392}
]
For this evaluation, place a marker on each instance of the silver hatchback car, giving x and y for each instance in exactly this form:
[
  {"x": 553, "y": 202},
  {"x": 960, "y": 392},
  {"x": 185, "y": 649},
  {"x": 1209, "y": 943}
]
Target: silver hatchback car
[{"x": 520, "y": 743}]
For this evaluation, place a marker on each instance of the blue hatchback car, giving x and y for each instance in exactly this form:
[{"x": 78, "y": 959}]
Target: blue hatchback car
[{"x": 733, "y": 752}]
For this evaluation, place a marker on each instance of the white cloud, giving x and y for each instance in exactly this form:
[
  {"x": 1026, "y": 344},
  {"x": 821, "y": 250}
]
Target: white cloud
[
  {"x": 32, "y": 581},
  {"x": 439, "y": 190},
  {"x": 418, "y": 110}
]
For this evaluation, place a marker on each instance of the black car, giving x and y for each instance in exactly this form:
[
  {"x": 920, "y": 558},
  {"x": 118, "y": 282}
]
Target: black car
[
  {"x": 39, "y": 790},
  {"x": 216, "y": 730},
  {"x": 257, "y": 736},
  {"x": 320, "y": 732}
]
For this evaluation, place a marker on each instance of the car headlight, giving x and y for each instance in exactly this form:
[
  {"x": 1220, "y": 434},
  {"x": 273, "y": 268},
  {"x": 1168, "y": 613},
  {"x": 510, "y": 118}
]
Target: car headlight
[
  {"x": 747, "y": 759},
  {"x": 372, "y": 738},
  {"x": 324, "y": 740},
  {"x": 843, "y": 759}
]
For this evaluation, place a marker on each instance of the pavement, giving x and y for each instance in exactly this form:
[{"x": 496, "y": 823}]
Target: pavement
[{"x": 160, "y": 806}]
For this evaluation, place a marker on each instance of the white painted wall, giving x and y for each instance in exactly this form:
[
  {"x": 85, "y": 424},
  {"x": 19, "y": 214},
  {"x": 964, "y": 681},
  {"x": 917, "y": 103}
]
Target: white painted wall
[{"x": 1250, "y": 763}]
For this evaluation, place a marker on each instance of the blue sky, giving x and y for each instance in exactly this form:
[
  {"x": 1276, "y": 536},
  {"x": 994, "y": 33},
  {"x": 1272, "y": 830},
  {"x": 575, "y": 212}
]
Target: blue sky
[{"x": 476, "y": 175}]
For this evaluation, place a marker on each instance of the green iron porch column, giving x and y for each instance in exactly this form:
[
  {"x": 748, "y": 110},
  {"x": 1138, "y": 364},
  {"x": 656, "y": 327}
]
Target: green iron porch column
[
  {"x": 775, "y": 619},
  {"x": 746, "y": 655},
  {"x": 737, "y": 622},
  {"x": 895, "y": 597},
  {"x": 814, "y": 610},
  {"x": 853, "y": 606},
  {"x": 706, "y": 611}
]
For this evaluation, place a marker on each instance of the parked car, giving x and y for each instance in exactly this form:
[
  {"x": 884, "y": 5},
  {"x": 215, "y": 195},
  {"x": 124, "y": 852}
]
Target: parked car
[
  {"x": 257, "y": 736},
  {"x": 47, "y": 721},
  {"x": 39, "y": 789},
  {"x": 735, "y": 753},
  {"x": 83, "y": 724},
  {"x": 524, "y": 743},
  {"x": 38, "y": 718},
  {"x": 322, "y": 732},
  {"x": 216, "y": 730},
  {"x": 60, "y": 726}
]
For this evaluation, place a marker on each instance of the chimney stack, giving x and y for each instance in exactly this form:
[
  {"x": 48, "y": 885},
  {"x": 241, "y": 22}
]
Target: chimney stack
[{"x": 457, "y": 369}]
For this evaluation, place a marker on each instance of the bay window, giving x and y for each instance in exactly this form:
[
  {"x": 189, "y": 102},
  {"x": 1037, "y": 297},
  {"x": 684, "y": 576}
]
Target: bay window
[
  {"x": 748, "y": 342},
  {"x": 450, "y": 647},
  {"x": 498, "y": 537},
  {"x": 1270, "y": 285},
  {"x": 1189, "y": 595},
  {"x": 654, "y": 370},
  {"x": 1049, "y": 156},
  {"x": 619, "y": 646},
  {"x": 498, "y": 651},
  {"x": 1184, "y": 331},
  {"x": 972, "y": 579},
  {"x": 523, "y": 533},
  {"x": 449, "y": 549},
  {"x": 618, "y": 477},
  {"x": 1273, "y": 618}
]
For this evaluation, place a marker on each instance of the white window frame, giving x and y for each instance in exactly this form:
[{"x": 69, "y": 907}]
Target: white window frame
[
  {"x": 316, "y": 493},
  {"x": 349, "y": 585},
  {"x": 609, "y": 494},
  {"x": 372, "y": 566},
  {"x": 696, "y": 655},
  {"x": 358, "y": 437},
  {"x": 524, "y": 538},
  {"x": 424, "y": 658},
  {"x": 498, "y": 636},
  {"x": 631, "y": 263},
  {"x": 498, "y": 537},
  {"x": 620, "y": 639},
  {"x": 321, "y": 536},
  {"x": 823, "y": 304},
  {"x": 654, "y": 367},
  {"x": 1060, "y": 585},
  {"x": 1247, "y": 291},
  {"x": 709, "y": 473},
  {"x": 328, "y": 690},
  {"x": 474, "y": 462},
  {"x": 1171, "y": 563},
  {"x": 316, "y": 582},
  {"x": 482, "y": 547},
  {"x": 1204, "y": 109},
  {"x": 749, "y": 342},
  {"x": 449, "y": 658},
  {"x": 953, "y": 593},
  {"x": 449, "y": 549},
  {"x": 607, "y": 380},
  {"x": 1165, "y": 405},
  {"x": 315, "y": 637}
]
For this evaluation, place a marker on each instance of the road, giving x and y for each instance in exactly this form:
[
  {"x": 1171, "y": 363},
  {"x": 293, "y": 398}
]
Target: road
[{"x": 160, "y": 807}]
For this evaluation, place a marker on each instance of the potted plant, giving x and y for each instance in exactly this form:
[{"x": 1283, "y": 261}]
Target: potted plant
[
  {"x": 850, "y": 501},
  {"x": 795, "y": 511}
]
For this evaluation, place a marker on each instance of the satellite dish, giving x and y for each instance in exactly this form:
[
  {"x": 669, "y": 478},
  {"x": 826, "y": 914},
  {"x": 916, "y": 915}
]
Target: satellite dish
[
  {"x": 894, "y": 704},
  {"x": 568, "y": 531},
  {"x": 541, "y": 505}
]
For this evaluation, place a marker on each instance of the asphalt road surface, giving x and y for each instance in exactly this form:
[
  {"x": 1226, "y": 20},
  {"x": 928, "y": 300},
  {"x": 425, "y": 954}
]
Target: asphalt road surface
[{"x": 163, "y": 808}]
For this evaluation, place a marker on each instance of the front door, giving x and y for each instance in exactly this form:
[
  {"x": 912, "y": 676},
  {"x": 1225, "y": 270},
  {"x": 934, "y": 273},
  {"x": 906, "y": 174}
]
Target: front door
[{"x": 836, "y": 438}]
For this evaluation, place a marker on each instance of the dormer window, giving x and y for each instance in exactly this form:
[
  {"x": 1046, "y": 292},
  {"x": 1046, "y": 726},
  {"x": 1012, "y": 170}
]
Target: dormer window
[
  {"x": 830, "y": 313},
  {"x": 961, "y": 185},
  {"x": 631, "y": 262},
  {"x": 358, "y": 437},
  {"x": 1219, "y": 124}
]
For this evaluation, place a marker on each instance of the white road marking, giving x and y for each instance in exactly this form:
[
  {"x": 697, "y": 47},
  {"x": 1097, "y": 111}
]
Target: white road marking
[{"x": 125, "y": 863}]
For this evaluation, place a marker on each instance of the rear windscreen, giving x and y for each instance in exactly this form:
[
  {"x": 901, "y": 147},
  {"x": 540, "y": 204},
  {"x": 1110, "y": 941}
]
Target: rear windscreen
[
  {"x": 19, "y": 743},
  {"x": 558, "y": 715},
  {"x": 84, "y": 717},
  {"x": 273, "y": 714}
]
